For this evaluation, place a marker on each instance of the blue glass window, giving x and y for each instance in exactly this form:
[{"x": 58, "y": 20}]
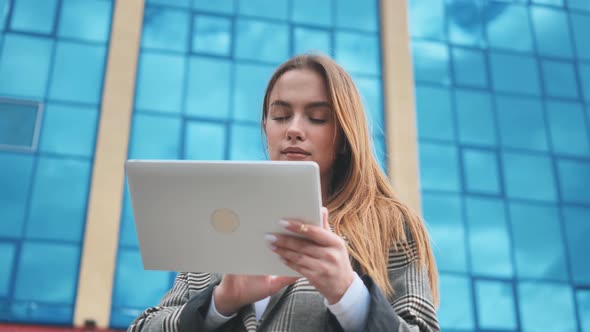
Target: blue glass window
[
  {"x": 456, "y": 307},
  {"x": 135, "y": 287},
  {"x": 24, "y": 66},
  {"x": 489, "y": 242},
  {"x": 57, "y": 263},
  {"x": 78, "y": 72},
  {"x": 370, "y": 90},
  {"x": 204, "y": 141},
  {"x": 59, "y": 198},
  {"x": 33, "y": 16},
  {"x": 475, "y": 117},
  {"x": 43, "y": 313},
  {"x": 250, "y": 84},
  {"x": 577, "y": 229},
  {"x": 165, "y": 29},
  {"x": 208, "y": 93},
  {"x": 579, "y": 4},
  {"x": 528, "y": 177},
  {"x": 580, "y": 26},
  {"x": 552, "y": 32},
  {"x": 7, "y": 253},
  {"x": 541, "y": 255},
  {"x": 312, "y": 12},
  {"x": 128, "y": 233},
  {"x": 514, "y": 73},
  {"x": 442, "y": 214},
  {"x": 247, "y": 143},
  {"x": 358, "y": 53},
  {"x": 159, "y": 82},
  {"x": 431, "y": 62},
  {"x": 574, "y": 181},
  {"x": 583, "y": 300},
  {"x": 218, "y": 6},
  {"x": 427, "y": 19},
  {"x": 262, "y": 41},
  {"x": 465, "y": 22},
  {"x": 89, "y": 20},
  {"x": 175, "y": 3},
  {"x": 549, "y": 2},
  {"x": 514, "y": 114},
  {"x": 155, "y": 137},
  {"x": 567, "y": 123},
  {"x": 314, "y": 40},
  {"x": 559, "y": 79},
  {"x": 480, "y": 168},
  {"x": 59, "y": 136},
  {"x": 353, "y": 14},
  {"x": 212, "y": 35},
  {"x": 495, "y": 305},
  {"x": 435, "y": 117},
  {"x": 546, "y": 307},
  {"x": 4, "y": 6},
  {"x": 264, "y": 8},
  {"x": 469, "y": 67},
  {"x": 15, "y": 177},
  {"x": 18, "y": 123},
  {"x": 508, "y": 27},
  {"x": 439, "y": 167},
  {"x": 584, "y": 71}
]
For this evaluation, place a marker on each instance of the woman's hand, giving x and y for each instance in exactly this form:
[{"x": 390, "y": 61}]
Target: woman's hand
[
  {"x": 236, "y": 291},
  {"x": 320, "y": 256}
]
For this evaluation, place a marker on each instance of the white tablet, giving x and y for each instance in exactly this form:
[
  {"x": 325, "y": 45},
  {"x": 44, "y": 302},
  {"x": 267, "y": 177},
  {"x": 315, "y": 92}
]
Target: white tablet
[{"x": 211, "y": 216}]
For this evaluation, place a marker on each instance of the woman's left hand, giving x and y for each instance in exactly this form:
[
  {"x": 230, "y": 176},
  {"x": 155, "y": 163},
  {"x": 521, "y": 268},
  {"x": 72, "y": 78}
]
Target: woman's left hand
[{"x": 320, "y": 256}]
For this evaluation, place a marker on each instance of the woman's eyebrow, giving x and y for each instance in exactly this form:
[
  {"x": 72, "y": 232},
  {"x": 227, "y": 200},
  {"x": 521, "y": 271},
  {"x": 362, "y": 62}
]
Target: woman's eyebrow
[
  {"x": 318, "y": 104},
  {"x": 280, "y": 103}
]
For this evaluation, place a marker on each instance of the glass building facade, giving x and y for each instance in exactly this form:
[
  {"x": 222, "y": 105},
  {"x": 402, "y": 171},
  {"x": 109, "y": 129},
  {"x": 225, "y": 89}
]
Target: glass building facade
[
  {"x": 503, "y": 95},
  {"x": 502, "y": 91},
  {"x": 52, "y": 64}
]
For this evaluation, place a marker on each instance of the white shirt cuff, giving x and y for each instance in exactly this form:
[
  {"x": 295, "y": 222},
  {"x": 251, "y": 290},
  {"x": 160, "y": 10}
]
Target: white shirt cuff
[
  {"x": 214, "y": 319},
  {"x": 353, "y": 308}
]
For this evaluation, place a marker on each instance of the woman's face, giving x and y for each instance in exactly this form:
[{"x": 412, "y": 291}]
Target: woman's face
[{"x": 300, "y": 124}]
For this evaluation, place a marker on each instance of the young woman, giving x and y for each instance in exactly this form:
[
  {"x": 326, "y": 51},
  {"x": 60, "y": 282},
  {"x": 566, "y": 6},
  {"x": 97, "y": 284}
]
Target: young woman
[{"x": 370, "y": 268}]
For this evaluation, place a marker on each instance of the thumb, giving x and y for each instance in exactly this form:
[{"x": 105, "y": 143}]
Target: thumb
[
  {"x": 276, "y": 282},
  {"x": 325, "y": 215}
]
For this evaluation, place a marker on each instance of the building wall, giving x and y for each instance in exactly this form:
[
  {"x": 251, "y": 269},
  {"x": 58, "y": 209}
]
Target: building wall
[
  {"x": 500, "y": 132},
  {"x": 502, "y": 90}
]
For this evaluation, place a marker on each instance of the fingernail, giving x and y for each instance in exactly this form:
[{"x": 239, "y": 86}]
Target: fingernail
[
  {"x": 284, "y": 223},
  {"x": 269, "y": 238}
]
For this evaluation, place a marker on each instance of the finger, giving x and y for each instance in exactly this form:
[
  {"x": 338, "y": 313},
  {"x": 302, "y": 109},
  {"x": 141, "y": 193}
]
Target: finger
[
  {"x": 319, "y": 235},
  {"x": 294, "y": 243},
  {"x": 295, "y": 258},
  {"x": 325, "y": 218}
]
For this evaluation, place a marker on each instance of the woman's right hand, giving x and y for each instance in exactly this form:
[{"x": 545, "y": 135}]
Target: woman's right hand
[{"x": 236, "y": 291}]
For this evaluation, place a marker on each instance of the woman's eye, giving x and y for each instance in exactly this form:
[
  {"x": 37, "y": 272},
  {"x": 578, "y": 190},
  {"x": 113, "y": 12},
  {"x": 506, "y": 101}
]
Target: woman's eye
[
  {"x": 313, "y": 120},
  {"x": 280, "y": 118}
]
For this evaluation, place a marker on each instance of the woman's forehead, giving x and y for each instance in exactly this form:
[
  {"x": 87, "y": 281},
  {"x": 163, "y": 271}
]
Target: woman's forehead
[{"x": 300, "y": 85}]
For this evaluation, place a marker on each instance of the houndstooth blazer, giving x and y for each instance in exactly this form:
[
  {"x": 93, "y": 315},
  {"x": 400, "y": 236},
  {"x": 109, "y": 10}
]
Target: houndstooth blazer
[{"x": 298, "y": 307}]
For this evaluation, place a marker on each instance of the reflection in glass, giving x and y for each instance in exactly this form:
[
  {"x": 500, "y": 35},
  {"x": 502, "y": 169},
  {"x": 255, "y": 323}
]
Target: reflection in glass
[
  {"x": 435, "y": 117},
  {"x": 439, "y": 167},
  {"x": 551, "y": 31},
  {"x": 480, "y": 168},
  {"x": 541, "y": 256},
  {"x": 577, "y": 228},
  {"x": 475, "y": 118},
  {"x": 546, "y": 307},
  {"x": 559, "y": 79},
  {"x": 489, "y": 242},
  {"x": 431, "y": 62},
  {"x": 261, "y": 41},
  {"x": 15, "y": 178},
  {"x": 567, "y": 124},
  {"x": 442, "y": 214},
  {"x": 456, "y": 307},
  {"x": 495, "y": 305},
  {"x": 165, "y": 29},
  {"x": 212, "y": 35},
  {"x": 508, "y": 27},
  {"x": 574, "y": 180},
  {"x": 515, "y": 73},
  {"x": 515, "y": 114},
  {"x": 469, "y": 67},
  {"x": 528, "y": 177}
]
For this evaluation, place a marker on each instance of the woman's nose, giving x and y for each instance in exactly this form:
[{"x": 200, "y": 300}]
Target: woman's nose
[{"x": 295, "y": 130}]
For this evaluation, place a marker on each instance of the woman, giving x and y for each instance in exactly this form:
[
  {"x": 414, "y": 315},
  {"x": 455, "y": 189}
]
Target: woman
[{"x": 369, "y": 268}]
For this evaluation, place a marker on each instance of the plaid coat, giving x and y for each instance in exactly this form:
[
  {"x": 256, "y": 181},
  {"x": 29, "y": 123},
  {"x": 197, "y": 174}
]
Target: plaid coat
[{"x": 298, "y": 307}]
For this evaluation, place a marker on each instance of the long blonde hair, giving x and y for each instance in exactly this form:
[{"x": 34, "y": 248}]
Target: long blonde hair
[{"x": 363, "y": 206}]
